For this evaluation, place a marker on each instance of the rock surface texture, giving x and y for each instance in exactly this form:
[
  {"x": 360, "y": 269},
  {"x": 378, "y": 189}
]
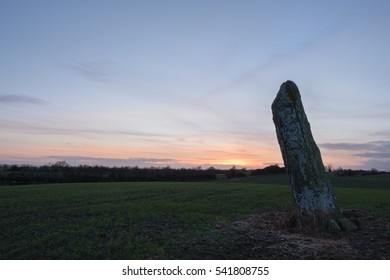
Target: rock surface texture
[{"x": 311, "y": 186}]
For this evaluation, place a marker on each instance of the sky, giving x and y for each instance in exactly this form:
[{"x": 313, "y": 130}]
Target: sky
[{"x": 190, "y": 83}]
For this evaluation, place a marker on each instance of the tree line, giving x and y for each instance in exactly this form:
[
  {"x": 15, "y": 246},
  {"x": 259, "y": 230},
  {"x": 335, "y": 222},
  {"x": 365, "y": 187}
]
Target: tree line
[
  {"x": 350, "y": 172},
  {"x": 61, "y": 172}
]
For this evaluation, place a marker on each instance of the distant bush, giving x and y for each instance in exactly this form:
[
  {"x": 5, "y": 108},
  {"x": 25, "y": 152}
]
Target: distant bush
[
  {"x": 271, "y": 169},
  {"x": 236, "y": 173}
]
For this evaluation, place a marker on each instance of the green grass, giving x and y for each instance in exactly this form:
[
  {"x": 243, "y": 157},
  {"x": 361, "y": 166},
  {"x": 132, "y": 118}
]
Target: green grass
[
  {"x": 367, "y": 182},
  {"x": 139, "y": 220},
  {"x": 376, "y": 201}
]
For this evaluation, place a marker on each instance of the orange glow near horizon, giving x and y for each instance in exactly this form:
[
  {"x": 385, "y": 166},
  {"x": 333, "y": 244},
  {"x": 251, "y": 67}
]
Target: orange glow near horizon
[
  {"x": 187, "y": 156},
  {"x": 174, "y": 156}
]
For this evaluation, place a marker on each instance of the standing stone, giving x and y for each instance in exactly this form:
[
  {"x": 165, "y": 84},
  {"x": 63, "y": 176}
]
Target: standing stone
[{"x": 311, "y": 186}]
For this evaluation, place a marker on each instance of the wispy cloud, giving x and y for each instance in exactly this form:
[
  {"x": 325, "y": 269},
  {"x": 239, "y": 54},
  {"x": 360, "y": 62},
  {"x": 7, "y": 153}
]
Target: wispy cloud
[
  {"x": 17, "y": 99},
  {"x": 382, "y": 133},
  {"x": 373, "y": 154},
  {"x": 375, "y": 150},
  {"x": 141, "y": 162},
  {"x": 98, "y": 71},
  {"x": 380, "y": 146},
  {"x": 69, "y": 128},
  {"x": 385, "y": 155},
  {"x": 346, "y": 146}
]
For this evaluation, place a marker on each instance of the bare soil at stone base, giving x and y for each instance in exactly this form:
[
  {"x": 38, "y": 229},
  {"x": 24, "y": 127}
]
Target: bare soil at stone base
[{"x": 265, "y": 236}]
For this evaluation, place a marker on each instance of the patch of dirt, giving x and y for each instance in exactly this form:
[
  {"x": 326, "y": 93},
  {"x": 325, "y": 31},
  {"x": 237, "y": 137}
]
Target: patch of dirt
[{"x": 266, "y": 236}]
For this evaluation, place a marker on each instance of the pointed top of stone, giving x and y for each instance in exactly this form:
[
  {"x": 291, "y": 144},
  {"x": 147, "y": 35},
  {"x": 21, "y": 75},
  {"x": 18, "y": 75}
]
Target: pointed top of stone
[
  {"x": 290, "y": 90},
  {"x": 288, "y": 95},
  {"x": 289, "y": 82}
]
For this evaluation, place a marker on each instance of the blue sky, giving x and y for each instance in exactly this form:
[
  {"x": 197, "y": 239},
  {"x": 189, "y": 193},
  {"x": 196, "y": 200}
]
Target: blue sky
[{"x": 189, "y": 83}]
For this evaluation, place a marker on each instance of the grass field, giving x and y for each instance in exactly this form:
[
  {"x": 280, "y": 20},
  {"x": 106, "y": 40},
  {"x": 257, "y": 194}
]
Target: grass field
[{"x": 144, "y": 220}]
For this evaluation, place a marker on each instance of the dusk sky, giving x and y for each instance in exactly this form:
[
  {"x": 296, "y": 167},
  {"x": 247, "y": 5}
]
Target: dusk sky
[{"x": 190, "y": 83}]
